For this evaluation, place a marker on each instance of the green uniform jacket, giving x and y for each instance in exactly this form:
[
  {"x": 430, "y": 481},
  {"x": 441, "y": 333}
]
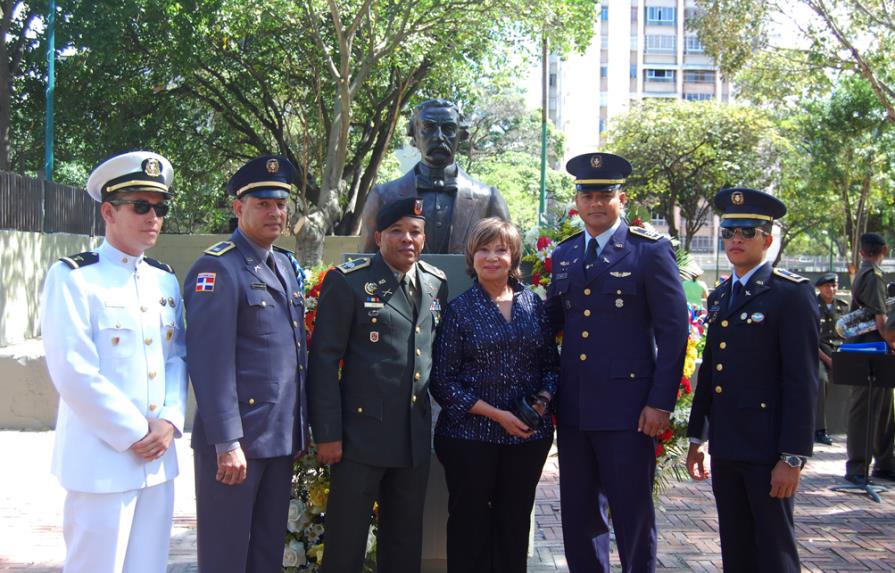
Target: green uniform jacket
[
  {"x": 829, "y": 338},
  {"x": 380, "y": 408}
]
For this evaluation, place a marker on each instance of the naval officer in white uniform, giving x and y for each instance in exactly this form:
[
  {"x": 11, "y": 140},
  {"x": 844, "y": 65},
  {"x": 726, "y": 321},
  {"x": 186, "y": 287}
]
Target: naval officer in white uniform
[{"x": 113, "y": 330}]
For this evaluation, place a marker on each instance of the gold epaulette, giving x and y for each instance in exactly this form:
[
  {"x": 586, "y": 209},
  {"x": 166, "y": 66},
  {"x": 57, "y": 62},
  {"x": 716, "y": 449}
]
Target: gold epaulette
[{"x": 219, "y": 249}]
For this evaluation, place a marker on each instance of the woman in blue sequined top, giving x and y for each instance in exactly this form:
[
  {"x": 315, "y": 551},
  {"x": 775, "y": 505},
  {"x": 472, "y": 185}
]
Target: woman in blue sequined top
[{"x": 493, "y": 349}]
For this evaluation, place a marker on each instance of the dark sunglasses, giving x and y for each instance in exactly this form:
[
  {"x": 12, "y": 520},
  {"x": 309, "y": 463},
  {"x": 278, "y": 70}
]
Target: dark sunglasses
[
  {"x": 141, "y": 207},
  {"x": 745, "y": 232}
]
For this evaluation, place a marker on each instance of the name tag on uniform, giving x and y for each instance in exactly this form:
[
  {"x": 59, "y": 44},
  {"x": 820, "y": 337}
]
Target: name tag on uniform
[
  {"x": 561, "y": 276},
  {"x": 259, "y": 286},
  {"x": 374, "y": 304}
]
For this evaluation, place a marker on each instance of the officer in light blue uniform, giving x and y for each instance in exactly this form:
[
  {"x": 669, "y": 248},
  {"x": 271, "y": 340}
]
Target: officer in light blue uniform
[
  {"x": 246, "y": 358},
  {"x": 756, "y": 391},
  {"x": 617, "y": 296}
]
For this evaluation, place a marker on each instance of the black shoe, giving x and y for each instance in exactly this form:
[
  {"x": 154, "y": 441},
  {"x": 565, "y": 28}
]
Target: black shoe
[
  {"x": 856, "y": 479},
  {"x": 884, "y": 474},
  {"x": 821, "y": 437}
]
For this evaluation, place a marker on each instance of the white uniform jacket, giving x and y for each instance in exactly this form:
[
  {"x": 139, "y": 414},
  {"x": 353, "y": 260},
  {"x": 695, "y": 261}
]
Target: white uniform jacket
[{"x": 113, "y": 332}]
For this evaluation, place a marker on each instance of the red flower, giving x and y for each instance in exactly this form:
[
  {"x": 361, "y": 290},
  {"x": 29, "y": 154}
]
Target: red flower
[
  {"x": 685, "y": 384},
  {"x": 535, "y": 279},
  {"x": 660, "y": 449},
  {"x": 573, "y": 212},
  {"x": 666, "y": 436},
  {"x": 543, "y": 242},
  {"x": 637, "y": 221},
  {"x": 548, "y": 265}
]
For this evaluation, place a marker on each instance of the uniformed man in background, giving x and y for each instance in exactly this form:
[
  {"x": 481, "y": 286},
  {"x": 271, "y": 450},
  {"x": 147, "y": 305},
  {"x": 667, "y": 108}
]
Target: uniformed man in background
[
  {"x": 112, "y": 327},
  {"x": 617, "y": 295},
  {"x": 869, "y": 291},
  {"x": 367, "y": 390},
  {"x": 246, "y": 343},
  {"x": 830, "y": 308},
  {"x": 756, "y": 391}
]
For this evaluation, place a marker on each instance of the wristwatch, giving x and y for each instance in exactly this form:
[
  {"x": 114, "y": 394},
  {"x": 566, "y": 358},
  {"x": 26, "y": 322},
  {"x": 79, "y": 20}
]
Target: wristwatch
[{"x": 793, "y": 461}]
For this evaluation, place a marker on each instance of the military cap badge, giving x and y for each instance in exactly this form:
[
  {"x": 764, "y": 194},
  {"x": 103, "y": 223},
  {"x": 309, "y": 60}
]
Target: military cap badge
[
  {"x": 152, "y": 167},
  {"x": 596, "y": 161},
  {"x": 418, "y": 207},
  {"x": 736, "y": 198},
  {"x": 272, "y": 166}
]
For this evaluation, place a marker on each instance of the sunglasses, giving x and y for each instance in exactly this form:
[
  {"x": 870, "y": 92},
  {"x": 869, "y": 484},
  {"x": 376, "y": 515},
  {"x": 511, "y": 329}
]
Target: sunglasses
[
  {"x": 745, "y": 232},
  {"x": 141, "y": 207}
]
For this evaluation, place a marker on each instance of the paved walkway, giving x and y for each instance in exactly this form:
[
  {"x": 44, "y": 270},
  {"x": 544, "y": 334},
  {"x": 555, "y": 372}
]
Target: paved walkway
[{"x": 837, "y": 531}]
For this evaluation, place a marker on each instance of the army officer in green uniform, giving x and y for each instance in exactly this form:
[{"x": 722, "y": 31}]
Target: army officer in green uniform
[
  {"x": 831, "y": 309},
  {"x": 373, "y": 422}
]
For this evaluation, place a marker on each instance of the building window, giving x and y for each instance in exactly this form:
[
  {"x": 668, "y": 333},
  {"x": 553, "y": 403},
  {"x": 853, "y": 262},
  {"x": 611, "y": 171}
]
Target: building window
[
  {"x": 604, "y": 71},
  {"x": 699, "y": 97},
  {"x": 692, "y": 45},
  {"x": 660, "y": 75},
  {"x": 700, "y": 244},
  {"x": 604, "y": 13},
  {"x": 604, "y": 41},
  {"x": 660, "y": 15},
  {"x": 552, "y": 80},
  {"x": 699, "y": 76},
  {"x": 633, "y": 72},
  {"x": 661, "y": 44},
  {"x": 634, "y": 42},
  {"x": 602, "y": 125},
  {"x": 657, "y": 219},
  {"x": 634, "y": 15}
]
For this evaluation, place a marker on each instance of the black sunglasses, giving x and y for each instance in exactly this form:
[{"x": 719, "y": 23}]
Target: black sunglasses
[
  {"x": 745, "y": 232},
  {"x": 141, "y": 207}
]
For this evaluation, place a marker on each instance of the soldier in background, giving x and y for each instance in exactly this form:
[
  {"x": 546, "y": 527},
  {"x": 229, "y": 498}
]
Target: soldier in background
[
  {"x": 830, "y": 308},
  {"x": 869, "y": 291}
]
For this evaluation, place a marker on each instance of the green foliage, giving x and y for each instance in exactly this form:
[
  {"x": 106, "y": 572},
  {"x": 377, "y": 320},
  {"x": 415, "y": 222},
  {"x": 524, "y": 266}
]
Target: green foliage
[
  {"x": 517, "y": 176},
  {"x": 684, "y": 152}
]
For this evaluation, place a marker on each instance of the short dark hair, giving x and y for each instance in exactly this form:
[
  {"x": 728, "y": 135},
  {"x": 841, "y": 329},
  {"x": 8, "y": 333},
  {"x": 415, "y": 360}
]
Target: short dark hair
[
  {"x": 491, "y": 229},
  {"x": 872, "y": 244}
]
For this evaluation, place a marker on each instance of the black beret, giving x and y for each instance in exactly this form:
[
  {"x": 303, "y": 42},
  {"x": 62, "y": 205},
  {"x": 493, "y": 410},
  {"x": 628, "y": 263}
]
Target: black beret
[
  {"x": 741, "y": 207},
  {"x": 598, "y": 171},
  {"x": 266, "y": 177},
  {"x": 826, "y": 278},
  {"x": 874, "y": 239},
  {"x": 391, "y": 212}
]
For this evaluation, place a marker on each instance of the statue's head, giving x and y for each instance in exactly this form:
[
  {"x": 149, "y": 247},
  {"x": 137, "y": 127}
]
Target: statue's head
[{"x": 436, "y": 128}]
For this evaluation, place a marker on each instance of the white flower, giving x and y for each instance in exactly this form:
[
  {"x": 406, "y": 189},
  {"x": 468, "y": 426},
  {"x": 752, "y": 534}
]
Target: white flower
[
  {"x": 298, "y": 516},
  {"x": 531, "y": 237},
  {"x": 313, "y": 533},
  {"x": 541, "y": 292},
  {"x": 290, "y": 557},
  {"x": 299, "y": 549},
  {"x": 371, "y": 539}
]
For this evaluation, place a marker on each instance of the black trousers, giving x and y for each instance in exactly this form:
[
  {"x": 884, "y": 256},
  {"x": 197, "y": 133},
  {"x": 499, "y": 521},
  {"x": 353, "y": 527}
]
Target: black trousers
[
  {"x": 757, "y": 530},
  {"x": 491, "y": 490}
]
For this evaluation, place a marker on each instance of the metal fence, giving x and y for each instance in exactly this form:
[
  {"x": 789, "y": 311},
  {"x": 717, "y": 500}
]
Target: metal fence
[{"x": 38, "y": 205}]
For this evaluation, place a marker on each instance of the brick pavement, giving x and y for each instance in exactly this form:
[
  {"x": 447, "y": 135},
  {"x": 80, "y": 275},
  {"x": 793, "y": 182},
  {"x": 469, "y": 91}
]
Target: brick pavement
[{"x": 837, "y": 532}]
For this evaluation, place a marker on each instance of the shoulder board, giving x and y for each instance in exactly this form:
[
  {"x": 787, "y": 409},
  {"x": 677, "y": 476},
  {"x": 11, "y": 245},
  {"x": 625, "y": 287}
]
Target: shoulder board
[
  {"x": 354, "y": 265},
  {"x": 433, "y": 270},
  {"x": 571, "y": 238},
  {"x": 81, "y": 259},
  {"x": 159, "y": 265},
  {"x": 219, "y": 249},
  {"x": 282, "y": 250},
  {"x": 790, "y": 276},
  {"x": 878, "y": 273},
  {"x": 645, "y": 233}
]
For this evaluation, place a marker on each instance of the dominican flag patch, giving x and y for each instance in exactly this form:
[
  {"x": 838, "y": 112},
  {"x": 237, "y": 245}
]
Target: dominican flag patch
[{"x": 205, "y": 282}]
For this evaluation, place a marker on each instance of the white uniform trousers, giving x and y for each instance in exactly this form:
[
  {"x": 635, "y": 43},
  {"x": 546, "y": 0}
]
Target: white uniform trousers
[{"x": 127, "y": 532}]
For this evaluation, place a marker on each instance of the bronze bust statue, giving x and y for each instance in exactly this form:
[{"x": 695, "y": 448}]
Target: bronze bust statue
[{"x": 452, "y": 200}]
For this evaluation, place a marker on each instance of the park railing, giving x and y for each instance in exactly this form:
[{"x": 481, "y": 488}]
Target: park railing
[{"x": 38, "y": 205}]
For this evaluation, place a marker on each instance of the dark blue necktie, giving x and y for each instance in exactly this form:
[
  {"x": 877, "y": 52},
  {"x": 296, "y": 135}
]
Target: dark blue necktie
[
  {"x": 735, "y": 293},
  {"x": 590, "y": 256}
]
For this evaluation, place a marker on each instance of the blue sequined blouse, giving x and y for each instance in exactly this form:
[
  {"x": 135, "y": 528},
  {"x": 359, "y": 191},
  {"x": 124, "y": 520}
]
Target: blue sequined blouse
[{"x": 480, "y": 356}]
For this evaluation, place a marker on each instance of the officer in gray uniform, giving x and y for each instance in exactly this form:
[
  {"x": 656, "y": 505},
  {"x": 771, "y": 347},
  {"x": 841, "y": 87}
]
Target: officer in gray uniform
[
  {"x": 831, "y": 308},
  {"x": 376, "y": 320},
  {"x": 869, "y": 291},
  {"x": 246, "y": 358}
]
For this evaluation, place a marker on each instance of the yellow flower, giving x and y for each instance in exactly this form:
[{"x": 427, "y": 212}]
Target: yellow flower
[
  {"x": 316, "y": 553},
  {"x": 318, "y": 493}
]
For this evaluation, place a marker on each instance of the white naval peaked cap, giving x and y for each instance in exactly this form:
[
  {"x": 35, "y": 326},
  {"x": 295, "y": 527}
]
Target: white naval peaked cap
[{"x": 132, "y": 171}]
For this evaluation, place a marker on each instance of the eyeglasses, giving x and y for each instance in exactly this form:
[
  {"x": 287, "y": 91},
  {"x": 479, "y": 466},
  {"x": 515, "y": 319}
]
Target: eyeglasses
[
  {"x": 141, "y": 207},
  {"x": 745, "y": 232}
]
